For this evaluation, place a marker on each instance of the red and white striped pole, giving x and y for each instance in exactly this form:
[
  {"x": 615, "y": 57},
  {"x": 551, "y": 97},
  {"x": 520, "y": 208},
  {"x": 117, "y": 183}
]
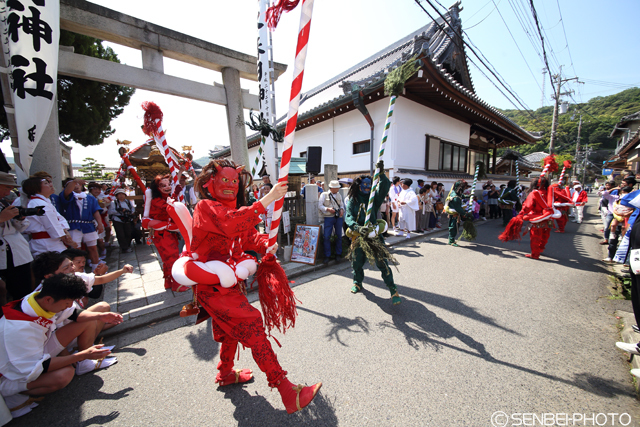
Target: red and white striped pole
[{"x": 292, "y": 116}]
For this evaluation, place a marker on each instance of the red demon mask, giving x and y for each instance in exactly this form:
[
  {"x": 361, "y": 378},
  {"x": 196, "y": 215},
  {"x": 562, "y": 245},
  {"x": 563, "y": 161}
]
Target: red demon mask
[{"x": 225, "y": 185}]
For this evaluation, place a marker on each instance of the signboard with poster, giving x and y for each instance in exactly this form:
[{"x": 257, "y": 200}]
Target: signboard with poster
[
  {"x": 305, "y": 244},
  {"x": 286, "y": 221}
]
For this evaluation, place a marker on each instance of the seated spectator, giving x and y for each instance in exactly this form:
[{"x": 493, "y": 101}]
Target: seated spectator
[
  {"x": 123, "y": 215},
  {"x": 15, "y": 256},
  {"x": 81, "y": 210},
  {"x": 73, "y": 261},
  {"x": 49, "y": 231},
  {"x": 34, "y": 359}
]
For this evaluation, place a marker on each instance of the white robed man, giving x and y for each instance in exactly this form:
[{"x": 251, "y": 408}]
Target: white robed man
[{"x": 407, "y": 206}]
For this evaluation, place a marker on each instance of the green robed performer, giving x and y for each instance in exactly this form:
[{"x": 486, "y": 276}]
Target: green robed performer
[
  {"x": 453, "y": 207},
  {"x": 372, "y": 248}
]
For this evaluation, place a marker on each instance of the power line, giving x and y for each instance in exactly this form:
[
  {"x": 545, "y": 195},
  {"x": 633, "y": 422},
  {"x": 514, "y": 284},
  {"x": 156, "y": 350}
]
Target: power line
[
  {"x": 544, "y": 52},
  {"x": 515, "y": 97},
  {"x": 515, "y": 42}
]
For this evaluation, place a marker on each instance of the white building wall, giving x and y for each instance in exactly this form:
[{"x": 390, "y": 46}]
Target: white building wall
[
  {"x": 414, "y": 121},
  {"x": 405, "y": 146}
]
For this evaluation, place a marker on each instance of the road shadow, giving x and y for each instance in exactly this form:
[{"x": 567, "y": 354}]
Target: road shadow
[
  {"x": 424, "y": 330},
  {"x": 453, "y": 305},
  {"x": 136, "y": 351},
  {"x": 64, "y": 407},
  {"x": 341, "y": 324},
  {"x": 202, "y": 343},
  {"x": 256, "y": 411}
]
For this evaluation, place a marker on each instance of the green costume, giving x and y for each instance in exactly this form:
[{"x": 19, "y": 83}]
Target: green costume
[
  {"x": 355, "y": 217},
  {"x": 455, "y": 210},
  {"x": 508, "y": 200}
]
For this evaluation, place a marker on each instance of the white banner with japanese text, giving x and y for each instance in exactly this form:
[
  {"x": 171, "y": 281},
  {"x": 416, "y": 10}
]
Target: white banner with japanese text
[{"x": 30, "y": 36}]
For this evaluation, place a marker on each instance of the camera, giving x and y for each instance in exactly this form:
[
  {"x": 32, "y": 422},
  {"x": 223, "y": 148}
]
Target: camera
[
  {"x": 39, "y": 211},
  {"x": 126, "y": 215}
]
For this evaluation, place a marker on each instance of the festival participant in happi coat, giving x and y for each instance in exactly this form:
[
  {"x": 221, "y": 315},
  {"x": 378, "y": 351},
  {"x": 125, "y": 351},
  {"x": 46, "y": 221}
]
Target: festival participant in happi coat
[
  {"x": 508, "y": 201},
  {"x": 81, "y": 210},
  {"x": 579, "y": 200},
  {"x": 34, "y": 335},
  {"x": 162, "y": 230},
  {"x": 407, "y": 206},
  {"x": 49, "y": 232},
  {"x": 358, "y": 199},
  {"x": 453, "y": 207},
  {"x": 218, "y": 264}
]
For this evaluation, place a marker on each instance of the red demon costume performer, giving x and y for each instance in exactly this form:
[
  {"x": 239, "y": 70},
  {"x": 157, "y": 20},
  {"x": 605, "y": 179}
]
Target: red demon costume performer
[
  {"x": 162, "y": 229},
  {"x": 562, "y": 200},
  {"x": 216, "y": 264},
  {"x": 539, "y": 210}
]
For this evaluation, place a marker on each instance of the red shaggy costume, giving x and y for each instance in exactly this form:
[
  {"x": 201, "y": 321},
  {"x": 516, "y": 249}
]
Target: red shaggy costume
[
  {"x": 165, "y": 238},
  {"x": 538, "y": 209},
  {"x": 217, "y": 263}
]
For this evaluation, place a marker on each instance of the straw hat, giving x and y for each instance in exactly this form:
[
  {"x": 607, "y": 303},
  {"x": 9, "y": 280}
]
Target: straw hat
[{"x": 334, "y": 184}]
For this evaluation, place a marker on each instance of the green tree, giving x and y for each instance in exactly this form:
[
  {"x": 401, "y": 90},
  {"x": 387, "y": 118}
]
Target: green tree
[
  {"x": 91, "y": 169},
  {"x": 85, "y": 107}
]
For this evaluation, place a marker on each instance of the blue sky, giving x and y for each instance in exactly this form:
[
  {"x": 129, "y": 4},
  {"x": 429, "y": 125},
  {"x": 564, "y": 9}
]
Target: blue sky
[{"x": 599, "y": 34}]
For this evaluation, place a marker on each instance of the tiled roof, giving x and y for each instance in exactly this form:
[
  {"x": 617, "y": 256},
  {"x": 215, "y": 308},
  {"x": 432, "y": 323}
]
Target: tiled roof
[{"x": 536, "y": 158}]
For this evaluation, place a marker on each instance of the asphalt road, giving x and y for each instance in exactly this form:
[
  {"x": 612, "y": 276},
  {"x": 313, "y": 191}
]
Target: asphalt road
[{"x": 481, "y": 329}]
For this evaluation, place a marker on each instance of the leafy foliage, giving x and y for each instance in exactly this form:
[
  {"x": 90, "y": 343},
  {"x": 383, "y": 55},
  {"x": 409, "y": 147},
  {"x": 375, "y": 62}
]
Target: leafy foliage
[
  {"x": 91, "y": 169},
  {"x": 85, "y": 107},
  {"x": 599, "y": 116}
]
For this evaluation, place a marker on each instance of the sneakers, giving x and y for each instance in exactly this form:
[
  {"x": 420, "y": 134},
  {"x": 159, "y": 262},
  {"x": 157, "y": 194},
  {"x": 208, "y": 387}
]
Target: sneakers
[
  {"x": 399, "y": 233},
  {"x": 608, "y": 260},
  {"x": 326, "y": 261},
  {"x": 88, "y": 365},
  {"x": 604, "y": 242},
  {"x": 629, "y": 348},
  {"x": 483, "y": 218},
  {"x": 408, "y": 236}
]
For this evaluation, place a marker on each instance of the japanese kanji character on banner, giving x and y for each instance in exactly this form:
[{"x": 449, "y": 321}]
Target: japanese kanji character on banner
[{"x": 31, "y": 30}]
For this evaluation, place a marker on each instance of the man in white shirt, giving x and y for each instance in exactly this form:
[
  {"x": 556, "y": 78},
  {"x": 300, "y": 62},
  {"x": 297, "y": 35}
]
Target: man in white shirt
[
  {"x": 408, "y": 205},
  {"x": 331, "y": 207}
]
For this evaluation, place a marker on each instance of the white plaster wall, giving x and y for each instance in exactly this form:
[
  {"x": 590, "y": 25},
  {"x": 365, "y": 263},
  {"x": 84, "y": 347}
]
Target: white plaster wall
[{"x": 414, "y": 121}]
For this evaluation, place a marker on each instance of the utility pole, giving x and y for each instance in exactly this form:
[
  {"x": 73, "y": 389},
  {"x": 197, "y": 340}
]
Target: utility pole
[
  {"x": 544, "y": 81},
  {"x": 578, "y": 143},
  {"x": 554, "y": 124},
  {"x": 587, "y": 150}
]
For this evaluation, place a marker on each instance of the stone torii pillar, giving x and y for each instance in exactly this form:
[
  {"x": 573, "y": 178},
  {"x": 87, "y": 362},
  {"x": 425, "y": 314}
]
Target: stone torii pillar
[{"x": 235, "y": 117}]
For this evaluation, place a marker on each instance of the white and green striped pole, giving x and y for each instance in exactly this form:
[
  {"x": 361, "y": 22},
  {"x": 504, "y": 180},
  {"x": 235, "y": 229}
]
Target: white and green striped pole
[
  {"x": 258, "y": 157},
  {"x": 518, "y": 179},
  {"x": 473, "y": 189},
  {"x": 376, "y": 175}
]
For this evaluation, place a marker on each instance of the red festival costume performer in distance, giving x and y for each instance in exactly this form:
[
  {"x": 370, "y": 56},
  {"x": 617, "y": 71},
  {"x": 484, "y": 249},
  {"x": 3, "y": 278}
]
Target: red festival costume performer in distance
[
  {"x": 538, "y": 210},
  {"x": 216, "y": 264},
  {"x": 162, "y": 230},
  {"x": 562, "y": 199}
]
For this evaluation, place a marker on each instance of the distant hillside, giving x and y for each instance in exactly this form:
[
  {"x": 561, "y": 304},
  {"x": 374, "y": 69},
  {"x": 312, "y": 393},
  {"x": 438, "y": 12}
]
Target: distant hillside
[
  {"x": 202, "y": 161},
  {"x": 599, "y": 116}
]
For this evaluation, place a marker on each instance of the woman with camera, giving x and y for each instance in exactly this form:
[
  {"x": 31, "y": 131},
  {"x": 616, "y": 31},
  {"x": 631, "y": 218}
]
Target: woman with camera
[
  {"x": 15, "y": 256},
  {"x": 123, "y": 215}
]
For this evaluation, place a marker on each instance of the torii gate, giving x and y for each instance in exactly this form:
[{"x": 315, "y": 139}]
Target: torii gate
[{"x": 154, "y": 42}]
